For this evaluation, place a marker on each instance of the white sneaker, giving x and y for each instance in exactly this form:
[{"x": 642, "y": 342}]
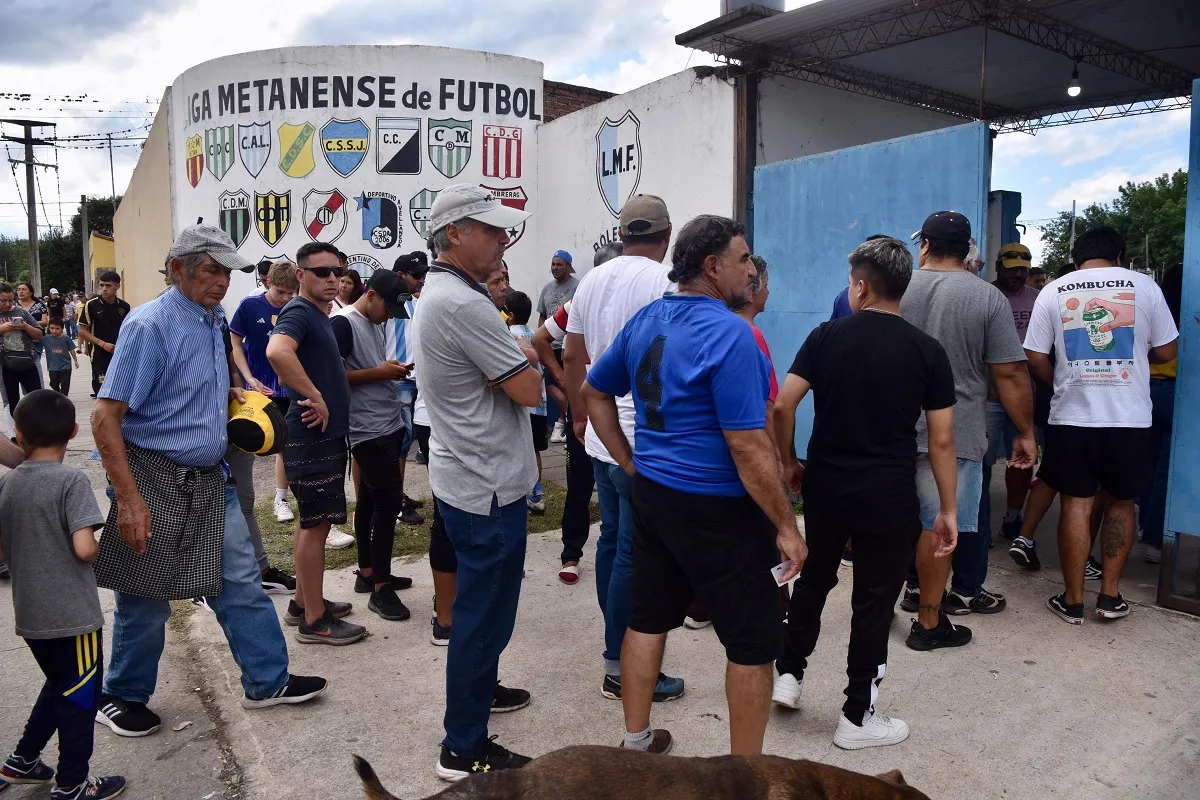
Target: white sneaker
[
  {"x": 696, "y": 624},
  {"x": 559, "y": 435},
  {"x": 877, "y": 731},
  {"x": 787, "y": 691},
  {"x": 1153, "y": 555},
  {"x": 283, "y": 512},
  {"x": 336, "y": 540}
]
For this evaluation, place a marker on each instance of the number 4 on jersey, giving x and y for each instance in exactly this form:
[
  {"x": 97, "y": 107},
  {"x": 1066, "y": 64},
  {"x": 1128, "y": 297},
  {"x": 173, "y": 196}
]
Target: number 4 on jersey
[{"x": 648, "y": 384}]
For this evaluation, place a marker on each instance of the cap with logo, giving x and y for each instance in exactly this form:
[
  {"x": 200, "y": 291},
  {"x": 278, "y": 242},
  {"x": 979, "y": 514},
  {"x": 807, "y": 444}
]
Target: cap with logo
[
  {"x": 415, "y": 263},
  {"x": 468, "y": 201},
  {"x": 564, "y": 255},
  {"x": 257, "y": 425},
  {"x": 1015, "y": 256},
  {"x": 207, "y": 239},
  {"x": 644, "y": 214},
  {"x": 392, "y": 289},
  {"x": 948, "y": 226}
]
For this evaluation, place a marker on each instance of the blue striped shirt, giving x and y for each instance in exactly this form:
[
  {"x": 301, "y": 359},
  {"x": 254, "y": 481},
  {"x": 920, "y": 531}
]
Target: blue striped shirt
[
  {"x": 170, "y": 369},
  {"x": 398, "y": 342}
]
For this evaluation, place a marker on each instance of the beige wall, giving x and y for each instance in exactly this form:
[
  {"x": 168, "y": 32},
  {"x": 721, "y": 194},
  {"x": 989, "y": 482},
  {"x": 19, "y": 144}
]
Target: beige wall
[{"x": 142, "y": 226}]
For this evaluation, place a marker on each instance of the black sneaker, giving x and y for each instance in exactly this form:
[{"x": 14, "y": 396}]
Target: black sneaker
[
  {"x": 1012, "y": 529},
  {"x": 409, "y": 504},
  {"x": 505, "y": 699},
  {"x": 1109, "y": 607},
  {"x": 1071, "y": 612},
  {"x": 295, "y": 614},
  {"x": 366, "y": 585},
  {"x": 3, "y": 570},
  {"x": 298, "y": 689},
  {"x": 276, "y": 581},
  {"x": 847, "y": 557},
  {"x": 1024, "y": 552},
  {"x": 946, "y": 634},
  {"x": 911, "y": 599},
  {"x": 91, "y": 789},
  {"x": 1092, "y": 570},
  {"x": 17, "y": 770},
  {"x": 410, "y": 516},
  {"x": 666, "y": 688},
  {"x": 441, "y": 635},
  {"x": 451, "y": 767},
  {"x": 126, "y": 718},
  {"x": 983, "y": 603},
  {"x": 329, "y": 630},
  {"x": 387, "y": 605}
]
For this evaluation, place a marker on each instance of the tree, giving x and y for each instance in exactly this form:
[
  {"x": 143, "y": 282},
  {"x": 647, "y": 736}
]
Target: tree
[
  {"x": 1154, "y": 209},
  {"x": 60, "y": 252}
]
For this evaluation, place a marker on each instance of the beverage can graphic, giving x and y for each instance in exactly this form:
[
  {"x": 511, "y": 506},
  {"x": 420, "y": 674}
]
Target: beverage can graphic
[{"x": 1101, "y": 341}]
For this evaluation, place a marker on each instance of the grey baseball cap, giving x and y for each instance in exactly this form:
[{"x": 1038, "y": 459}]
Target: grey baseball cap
[
  {"x": 644, "y": 214},
  {"x": 211, "y": 240},
  {"x": 468, "y": 201}
]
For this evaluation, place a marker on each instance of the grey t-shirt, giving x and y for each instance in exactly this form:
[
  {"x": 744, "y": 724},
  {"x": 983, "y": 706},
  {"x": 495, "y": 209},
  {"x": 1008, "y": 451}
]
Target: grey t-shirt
[
  {"x": 480, "y": 442},
  {"x": 374, "y": 405},
  {"x": 54, "y": 593},
  {"x": 555, "y": 295},
  {"x": 974, "y": 324},
  {"x": 17, "y": 341}
]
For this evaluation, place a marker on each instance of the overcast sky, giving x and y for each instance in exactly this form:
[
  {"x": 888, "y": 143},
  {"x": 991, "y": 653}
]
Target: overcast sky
[{"x": 121, "y": 55}]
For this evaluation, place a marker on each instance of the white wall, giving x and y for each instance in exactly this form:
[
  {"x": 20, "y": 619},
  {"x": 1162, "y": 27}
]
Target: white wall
[{"x": 684, "y": 152}]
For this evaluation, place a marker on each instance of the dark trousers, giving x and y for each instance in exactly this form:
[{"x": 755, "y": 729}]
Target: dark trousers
[
  {"x": 73, "y": 667},
  {"x": 581, "y": 480},
  {"x": 380, "y": 494},
  {"x": 18, "y": 383},
  {"x": 100, "y": 361},
  {"x": 881, "y": 556},
  {"x": 60, "y": 381}
]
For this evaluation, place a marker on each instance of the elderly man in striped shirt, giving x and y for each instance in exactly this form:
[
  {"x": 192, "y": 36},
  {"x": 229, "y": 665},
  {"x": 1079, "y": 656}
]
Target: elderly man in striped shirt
[{"x": 175, "y": 529}]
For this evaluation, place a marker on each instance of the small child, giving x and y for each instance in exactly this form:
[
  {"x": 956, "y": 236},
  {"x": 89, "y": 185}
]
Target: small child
[
  {"x": 60, "y": 354},
  {"x": 520, "y": 307},
  {"x": 48, "y": 516}
]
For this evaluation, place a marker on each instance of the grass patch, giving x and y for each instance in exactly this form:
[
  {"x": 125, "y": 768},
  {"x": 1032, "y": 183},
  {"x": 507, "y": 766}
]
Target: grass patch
[
  {"x": 180, "y": 611},
  {"x": 410, "y": 539}
]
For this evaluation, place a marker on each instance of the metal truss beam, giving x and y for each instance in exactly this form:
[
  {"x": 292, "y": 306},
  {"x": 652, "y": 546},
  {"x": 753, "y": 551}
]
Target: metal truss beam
[{"x": 1056, "y": 117}]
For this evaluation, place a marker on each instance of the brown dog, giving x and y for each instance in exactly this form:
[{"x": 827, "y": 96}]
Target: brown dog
[{"x": 608, "y": 773}]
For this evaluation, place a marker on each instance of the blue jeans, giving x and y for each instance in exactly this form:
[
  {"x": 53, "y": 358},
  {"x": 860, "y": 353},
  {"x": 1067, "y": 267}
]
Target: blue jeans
[
  {"x": 1154, "y": 500},
  {"x": 245, "y": 613},
  {"x": 614, "y": 553},
  {"x": 491, "y": 560}
]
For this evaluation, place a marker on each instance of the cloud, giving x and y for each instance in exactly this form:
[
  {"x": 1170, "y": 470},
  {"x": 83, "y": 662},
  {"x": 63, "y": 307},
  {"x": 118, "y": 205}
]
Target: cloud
[
  {"x": 1104, "y": 186},
  {"x": 52, "y": 33}
]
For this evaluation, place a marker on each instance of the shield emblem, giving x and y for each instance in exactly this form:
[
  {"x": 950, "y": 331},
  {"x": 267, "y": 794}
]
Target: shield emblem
[
  {"x": 380, "y": 219},
  {"x": 364, "y": 265},
  {"x": 218, "y": 150},
  {"x": 618, "y": 160},
  {"x": 234, "y": 216},
  {"x": 254, "y": 146},
  {"x": 515, "y": 197},
  {"x": 194, "y": 147},
  {"x": 295, "y": 149},
  {"x": 325, "y": 215},
  {"x": 501, "y": 151},
  {"x": 399, "y": 147},
  {"x": 272, "y": 214},
  {"x": 418, "y": 210},
  {"x": 345, "y": 144},
  {"x": 449, "y": 145}
]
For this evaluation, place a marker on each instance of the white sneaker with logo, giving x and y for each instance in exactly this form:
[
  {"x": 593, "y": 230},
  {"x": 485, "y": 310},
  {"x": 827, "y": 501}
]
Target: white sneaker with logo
[
  {"x": 878, "y": 730},
  {"x": 559, "y": 434},
  {"x": 336, "y": 539},
  {"x": 787, "y": 690},
  {"x": 283, "y": 512}
]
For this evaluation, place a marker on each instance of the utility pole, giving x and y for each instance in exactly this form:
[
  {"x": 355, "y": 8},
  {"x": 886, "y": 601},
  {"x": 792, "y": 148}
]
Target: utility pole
[
  {"x": 35, "y": 267},
  {"x": 112, "y": 176},
  {"x": 83, "y": 236}
]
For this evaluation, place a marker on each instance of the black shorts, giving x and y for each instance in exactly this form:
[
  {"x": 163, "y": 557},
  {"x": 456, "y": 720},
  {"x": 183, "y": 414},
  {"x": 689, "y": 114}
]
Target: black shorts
[
  {"x": 1079, "y": 461},
  {"x": 282, "y": 402},
  {"x": 316, "y": 473},
  {"x": 541, "y": 438},
  {"x": 719, "y": 549}
]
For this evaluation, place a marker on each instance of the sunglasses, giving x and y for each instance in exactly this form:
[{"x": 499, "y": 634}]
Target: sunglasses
[{"x": 325, "y": 272}]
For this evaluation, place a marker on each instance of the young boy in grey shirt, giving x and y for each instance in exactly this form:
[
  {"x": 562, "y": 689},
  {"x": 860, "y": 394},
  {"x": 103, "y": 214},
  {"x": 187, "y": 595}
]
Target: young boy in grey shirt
[{"x": 48, "y": 516}]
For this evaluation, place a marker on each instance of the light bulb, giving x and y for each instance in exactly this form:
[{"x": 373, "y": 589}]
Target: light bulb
[{"x": 1073, "y": 89}]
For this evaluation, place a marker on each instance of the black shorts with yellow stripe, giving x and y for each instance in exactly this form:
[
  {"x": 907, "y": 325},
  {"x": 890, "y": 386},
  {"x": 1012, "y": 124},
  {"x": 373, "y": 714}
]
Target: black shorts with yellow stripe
[{"x": 73, "y": 666}]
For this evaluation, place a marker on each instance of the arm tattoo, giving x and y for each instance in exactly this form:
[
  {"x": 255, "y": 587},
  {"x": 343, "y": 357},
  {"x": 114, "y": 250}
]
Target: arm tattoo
[{"x": 1115, "y": 534}]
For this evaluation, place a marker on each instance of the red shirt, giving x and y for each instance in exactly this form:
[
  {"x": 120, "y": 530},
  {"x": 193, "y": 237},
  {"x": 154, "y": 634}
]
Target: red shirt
[{"x": 773, "y": 392}]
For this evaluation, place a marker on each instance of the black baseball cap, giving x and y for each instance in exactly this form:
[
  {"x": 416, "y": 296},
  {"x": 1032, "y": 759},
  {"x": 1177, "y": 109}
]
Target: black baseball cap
[
  {"x": 949, "y": 226},
  {"x": 392, "y": 289},
  {"x": 415, "y": 263}
]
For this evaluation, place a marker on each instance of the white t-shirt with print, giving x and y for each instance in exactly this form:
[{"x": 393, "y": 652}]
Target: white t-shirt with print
[
  {"x": 607, "y": 297},
  {"x": 1102, "y": 323}
]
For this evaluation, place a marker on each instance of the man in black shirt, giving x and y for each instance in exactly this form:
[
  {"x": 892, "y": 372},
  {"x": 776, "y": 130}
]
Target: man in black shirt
[
  {"x": 100, "y": 324},
  {"x": 860, "y": 480}
]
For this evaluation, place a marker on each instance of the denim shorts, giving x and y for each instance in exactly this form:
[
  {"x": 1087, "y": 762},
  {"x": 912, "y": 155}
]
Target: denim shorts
[
  {"x": 408, "y": 401},
  {"x": 970, "y": 485}
]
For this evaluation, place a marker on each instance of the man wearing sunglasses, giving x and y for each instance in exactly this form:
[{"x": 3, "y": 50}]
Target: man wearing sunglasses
[{"x": 304, "y": 353}]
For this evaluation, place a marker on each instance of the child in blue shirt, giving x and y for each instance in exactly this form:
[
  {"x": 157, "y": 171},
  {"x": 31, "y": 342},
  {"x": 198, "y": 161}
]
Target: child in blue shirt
[
  {"x": 60, "y": 355},
  {"x": 520, "y": 308}
]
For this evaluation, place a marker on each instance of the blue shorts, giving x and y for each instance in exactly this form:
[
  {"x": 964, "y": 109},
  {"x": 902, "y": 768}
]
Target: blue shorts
[
  {"x": 970, "y": 485},
  {"x": 408, "y": 401},
  {"x": 1001, "y": 433}
]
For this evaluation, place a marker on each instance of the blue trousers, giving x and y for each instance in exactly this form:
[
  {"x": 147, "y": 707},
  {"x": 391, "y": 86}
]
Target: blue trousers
[
  {"x": 614, "y": 553},
  {"x": 1154, "y": 500}
]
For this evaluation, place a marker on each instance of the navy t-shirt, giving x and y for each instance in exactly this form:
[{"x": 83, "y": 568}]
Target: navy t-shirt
[
  {"x": 254, "y": 320},
  {"x": 841, "y": 305},
  {"x": 318, "y": 352},
  {"x": 695, "y": 371}
]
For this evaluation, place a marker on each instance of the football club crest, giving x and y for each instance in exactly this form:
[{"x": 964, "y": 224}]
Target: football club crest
[
  {"x": 398, "y": 151},
  {"x": 380, "y": 219},
  {"x": 418, "y": 210},
  {"x": 501, "y": 151},
  {"x": 194, "y": 148},
  {"x": 325, "y": 215},
  {"x": 618, "y": 160},
  {"x": 254, "y": 146},
  {"x": 345, "y": 144},
  {"x": 449, "y": 145},
  {"x": 272, "y": 215},
  {"x": 218, "y": 150},
  {"x": 234, "y": 216},
  {"x": 295, "y": 149},
  {"x": 365, "y": 266},
  {"x": 514, "y": 197}
]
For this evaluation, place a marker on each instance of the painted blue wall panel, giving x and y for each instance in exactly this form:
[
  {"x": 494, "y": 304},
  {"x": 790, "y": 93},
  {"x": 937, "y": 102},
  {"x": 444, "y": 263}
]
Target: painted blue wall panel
[{"x": 809, "y": 213}]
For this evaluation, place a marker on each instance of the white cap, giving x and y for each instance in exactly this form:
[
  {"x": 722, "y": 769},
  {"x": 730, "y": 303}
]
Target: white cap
[
  {"x": 54, "y": 291},
  {"x": 468, "y": 201}
]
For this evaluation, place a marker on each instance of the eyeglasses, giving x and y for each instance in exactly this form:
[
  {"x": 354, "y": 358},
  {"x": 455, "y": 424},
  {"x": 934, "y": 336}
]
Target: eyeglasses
[{"x": 325, "y": 272}]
